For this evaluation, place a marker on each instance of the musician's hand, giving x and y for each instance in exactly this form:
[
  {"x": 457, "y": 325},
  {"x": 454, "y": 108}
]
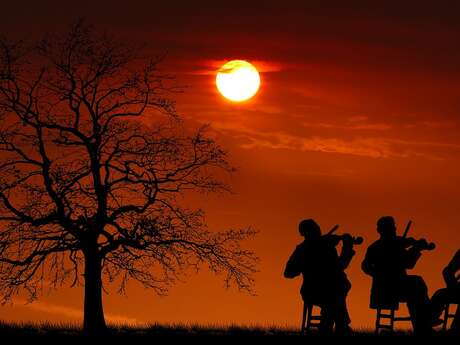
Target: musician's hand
[{"x": 347, "y": 239}]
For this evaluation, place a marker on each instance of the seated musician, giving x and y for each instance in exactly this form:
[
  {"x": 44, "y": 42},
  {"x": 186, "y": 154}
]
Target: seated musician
[
  {"x": 324, "y": 280},
  {"x": 387, "y": 261},
  {"x": 449, "y": 294}
]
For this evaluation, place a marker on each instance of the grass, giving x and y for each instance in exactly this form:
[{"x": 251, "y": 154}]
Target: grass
[
  {"x": 171, "y": 330},
  {"x": 154, "y": 329}
]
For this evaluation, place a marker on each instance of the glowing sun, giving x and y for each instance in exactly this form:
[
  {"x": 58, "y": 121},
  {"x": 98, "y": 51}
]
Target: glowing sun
[{"x": 238, "y": 80}]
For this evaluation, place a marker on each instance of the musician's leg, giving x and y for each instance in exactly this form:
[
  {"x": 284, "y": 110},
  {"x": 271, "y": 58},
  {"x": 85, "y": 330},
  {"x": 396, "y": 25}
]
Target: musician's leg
[
  {"x": 415, "y": 292},
  {"x": 456, "y": 323},
  {"x": 438, "y": 301},
  {"x": 342, "y": 318},
  {"x": 327, "y": 318}
]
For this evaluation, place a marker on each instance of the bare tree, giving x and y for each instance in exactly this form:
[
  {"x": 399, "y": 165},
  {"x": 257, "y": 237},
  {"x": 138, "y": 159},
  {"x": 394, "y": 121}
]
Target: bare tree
[{"x": 94, "y": 163}]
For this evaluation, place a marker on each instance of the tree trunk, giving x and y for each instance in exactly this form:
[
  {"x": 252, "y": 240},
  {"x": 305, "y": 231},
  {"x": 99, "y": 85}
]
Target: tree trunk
[{"x": 93, "y": 322}]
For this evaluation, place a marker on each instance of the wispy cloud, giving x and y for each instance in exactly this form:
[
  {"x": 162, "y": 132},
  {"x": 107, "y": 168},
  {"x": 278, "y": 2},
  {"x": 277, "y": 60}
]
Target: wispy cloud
[
  {"x": 352, "y": 123},
  {"x": 354, "y": 126},
  {"x": 433, "y": 124},
  {"x": 368, "y": 147},
  {"x": 70, "y": 312},
  {"x": 372, "y": 146},
  {"x": 210, "y": 67}
]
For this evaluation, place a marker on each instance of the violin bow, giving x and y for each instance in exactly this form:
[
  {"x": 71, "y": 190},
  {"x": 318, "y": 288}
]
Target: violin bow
[
  {"x": 333, "y": 230},
  {"x": 407, "y": 228}
]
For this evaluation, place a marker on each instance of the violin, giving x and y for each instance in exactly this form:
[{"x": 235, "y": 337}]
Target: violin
[
  {"x": 420, "y": 244},
  {"x": 354, "y": 239},
  {"x": 344, "y": 237}
]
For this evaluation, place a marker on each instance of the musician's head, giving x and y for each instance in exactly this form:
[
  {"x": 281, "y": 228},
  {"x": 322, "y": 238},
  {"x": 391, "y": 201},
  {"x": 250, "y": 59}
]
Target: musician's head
[
  {"x": 386, "y": 227},
  {"x": 309, "y": 229}
]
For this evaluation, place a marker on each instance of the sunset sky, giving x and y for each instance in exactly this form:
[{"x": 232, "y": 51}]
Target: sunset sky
[{"x": 357, "y": 116}]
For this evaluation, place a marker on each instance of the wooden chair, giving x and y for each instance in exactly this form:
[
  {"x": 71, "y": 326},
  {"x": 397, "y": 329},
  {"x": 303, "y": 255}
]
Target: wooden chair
[
  {"x": 391, "y": 316},
  {"x": 309, "y": 319},
  {"x": 447, "y": 315}
]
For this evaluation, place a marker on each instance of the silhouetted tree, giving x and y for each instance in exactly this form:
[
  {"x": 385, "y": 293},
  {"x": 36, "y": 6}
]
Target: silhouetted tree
[{"x": 94, "y": 163}]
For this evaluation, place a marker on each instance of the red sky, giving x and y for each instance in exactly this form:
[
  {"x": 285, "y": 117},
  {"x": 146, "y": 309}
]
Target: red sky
[{"x": 357, "y": 117}]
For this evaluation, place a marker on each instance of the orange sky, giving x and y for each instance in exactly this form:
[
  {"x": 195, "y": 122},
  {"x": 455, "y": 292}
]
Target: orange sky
[{"x": 357, "y": 117}]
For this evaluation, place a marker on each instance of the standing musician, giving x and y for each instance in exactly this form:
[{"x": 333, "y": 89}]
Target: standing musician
[{"x": 387, "y": 261}]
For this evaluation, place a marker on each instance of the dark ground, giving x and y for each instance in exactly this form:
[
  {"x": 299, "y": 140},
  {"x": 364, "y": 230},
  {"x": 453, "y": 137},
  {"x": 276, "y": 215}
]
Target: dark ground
[{"x": 130, "y": 335}]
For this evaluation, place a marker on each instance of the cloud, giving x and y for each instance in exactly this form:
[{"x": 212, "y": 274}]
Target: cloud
[
  {"x": 358, "y": 118},
  {"x": 433, "y": 124},
  {"x": 210, "y": 67},
  {"x": 370, "y": 126},
  {"x": 270, "y": 126},
  {"x": 360, "y": 126},
  {"x": 72, "y": 313},
  {"x": 373, "y": 147},
  {"x": 368, "y": 147},
  {"x": 352, "y": 123}
]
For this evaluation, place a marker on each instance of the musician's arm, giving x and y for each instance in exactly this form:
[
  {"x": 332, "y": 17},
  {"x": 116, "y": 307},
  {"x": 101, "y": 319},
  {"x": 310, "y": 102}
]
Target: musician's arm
[
  {"x": 368, "y": 265},
  {"x": 451, "y": 269},
  {"x": 411, "y": 257},
  {"x": 293, "y": 266},
  {"x": 347, "y": 252}
]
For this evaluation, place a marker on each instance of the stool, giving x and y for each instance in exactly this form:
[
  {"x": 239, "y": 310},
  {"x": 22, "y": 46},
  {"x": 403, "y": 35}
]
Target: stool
[
  {"x": 447, "y": 315},
  {"x": 381, "y": 315},
  {"x": 309, "y": 318}
]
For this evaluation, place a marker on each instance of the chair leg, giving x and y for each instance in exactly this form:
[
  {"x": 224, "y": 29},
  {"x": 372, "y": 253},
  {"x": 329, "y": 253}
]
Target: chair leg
[
  {"x": 392, "y": 320},
  {"x": 377, "y": 322},
  {"x": 309, "y": 314},
  {"x": 445, "y": 320},
  {"x": 304, "y": 315}
]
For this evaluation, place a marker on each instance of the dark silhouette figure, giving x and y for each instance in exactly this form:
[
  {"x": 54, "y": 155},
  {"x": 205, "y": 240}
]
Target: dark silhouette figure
[
  {"x": 449, "y": 294},
  {"x": 325, "y": 282},
  {"x": 386, "y": 261}
]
